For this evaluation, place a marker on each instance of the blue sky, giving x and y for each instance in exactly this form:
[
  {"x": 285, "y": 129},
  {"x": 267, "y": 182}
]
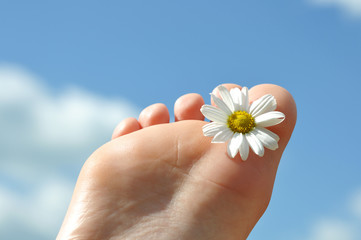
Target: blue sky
[{"x": 116, "y": 57}]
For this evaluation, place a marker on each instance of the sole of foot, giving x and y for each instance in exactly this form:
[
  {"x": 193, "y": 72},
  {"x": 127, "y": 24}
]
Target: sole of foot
[{"x": 161, "y": 180}]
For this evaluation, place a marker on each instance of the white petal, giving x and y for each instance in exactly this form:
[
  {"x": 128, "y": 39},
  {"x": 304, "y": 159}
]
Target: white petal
[
  {"x": 234, "y": 145},
  {"x": 211, "y": 129},
  {"x": 272, "y": 134},
  {"x": 255, "y": 144},
  {"x": 267, "y": 103},
  {"x": 223, "y": 136},
  {"x": 226, "y": 97},
  {"x": 236, "y": 95},
  {"x": 244, "y": 147},
  {"x": 245, "y": 100},
  {"x": 269, "y": 119},
  {"x": 267, "y": 141},
  {"x": 221, "y": 104},
  {"x": 214, "y": 114}
]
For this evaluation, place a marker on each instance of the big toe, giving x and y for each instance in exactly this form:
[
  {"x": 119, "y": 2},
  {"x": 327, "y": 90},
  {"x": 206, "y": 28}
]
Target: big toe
[
  {"x": 285, "y": 104},
  {"x": 260, "y": 171}
]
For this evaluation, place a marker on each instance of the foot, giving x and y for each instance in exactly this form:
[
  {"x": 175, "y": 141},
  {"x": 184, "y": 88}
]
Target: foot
[{"x": 161, "y": 180}]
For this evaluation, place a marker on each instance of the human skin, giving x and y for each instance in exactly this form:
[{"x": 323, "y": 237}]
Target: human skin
[{"x": 161, "y": 180}]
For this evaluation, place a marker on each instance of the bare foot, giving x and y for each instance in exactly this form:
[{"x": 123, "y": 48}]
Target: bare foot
[{"x": 161, "y": 180}]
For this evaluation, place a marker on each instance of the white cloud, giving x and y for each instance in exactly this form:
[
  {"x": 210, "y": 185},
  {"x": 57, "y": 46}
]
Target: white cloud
[
  {"x": 355, "y": 204},
  {"x": 71, "y": 119},
  {"x": 351, "y": 7},
  {"x": 45, "y": 137},
  {"x": 333, "y": 229},
  {"x": 41, "y": 209},
  {"x": 346, "y": 227}
]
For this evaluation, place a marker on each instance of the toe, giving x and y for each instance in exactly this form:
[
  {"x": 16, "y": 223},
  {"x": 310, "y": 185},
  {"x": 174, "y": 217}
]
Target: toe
[
  {"x": 154, "y": 114},
  {"x": 188, "y": 106},
  {"x": 126, "y": 126},
  {"x": 285, "y": 104}
]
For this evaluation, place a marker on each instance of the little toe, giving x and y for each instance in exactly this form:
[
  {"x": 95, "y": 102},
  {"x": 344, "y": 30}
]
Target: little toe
[
  {"x": 154, "y": 114},
  {"x": 188, "y": 106},
  {"x": 126, "y": 126}
]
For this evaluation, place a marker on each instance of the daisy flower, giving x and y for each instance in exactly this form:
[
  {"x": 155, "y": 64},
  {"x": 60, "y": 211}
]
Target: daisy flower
[{"x": 242, "y": 124}]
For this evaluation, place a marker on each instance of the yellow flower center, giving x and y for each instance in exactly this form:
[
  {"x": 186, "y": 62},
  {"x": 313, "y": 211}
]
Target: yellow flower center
[{"x": 241, "y": 122}]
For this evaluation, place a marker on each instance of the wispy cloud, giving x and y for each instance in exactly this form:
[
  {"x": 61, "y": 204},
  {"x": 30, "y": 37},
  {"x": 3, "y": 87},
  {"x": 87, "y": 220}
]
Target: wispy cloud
[
  {"x": 44, "y": 136},
  {"x": 346, "y": 227},
  {"x": 350, "y": 7},
  {"x": 333, "y": 229},
  {"x": 355, "y": 204}
]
